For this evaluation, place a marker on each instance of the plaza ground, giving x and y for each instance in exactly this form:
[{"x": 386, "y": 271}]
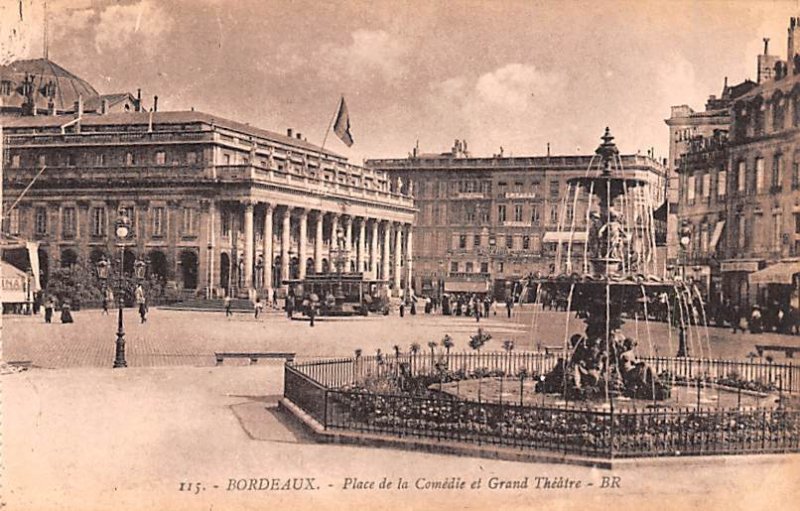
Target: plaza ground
[
  {"x": 78, "y": 435},
  {"x": 186, "y": 338},
  {"x": 103, "y": 439}
]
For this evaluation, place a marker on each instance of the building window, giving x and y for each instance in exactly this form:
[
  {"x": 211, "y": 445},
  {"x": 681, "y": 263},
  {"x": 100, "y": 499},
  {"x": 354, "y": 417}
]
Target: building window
[
  {"x": 759, "y": 175},
  {"x": 535, "y": 214},
  {"x": 484, "y": 267},
  {"x": 470, "y": 214},
  {"x": 526, "y": 242},
  {"x": 226, "y": 159},
  {"x": 778, "y": 111},
  {"x": 99, "y": 160},
  {"x": 691, "y": 182},
  {"x": 191, "y": 159},
  {"x": 742, "y": 232},
  {"x": 758, "y": 119},
  {"x": 71, "y": 160},
  {"x": 454, "y": 267},
  {"x": 476, "y": 240},
  {"x": 795, "y": 173},
  {"x": 42, "y": 160},
  {"x": 554, "y": 189},
  {"x": 722, "y": 183},
  {"x": 485, "y": 216},
  {"x": 741, "y": 176},
  {"x": 777, "y": 220},
  {"x": 98, "y": 221},
  {"x": 518, "y": 187},
  {"x": 469, "y": 268},
  {"x": 554, "y": 214},
  {"x": 68, "y": 225},
  {"x": 159, "y": 222},
  {"x": 129, "y": 159},
  {"x": 797, "y": 223},
  {"x": 501, "y": 213},
  {"x": 40, "y": 221},
  {"x": 500, "y": 267},
  {"x": 13, "y": 222},
  {"x": 15, "y": 161},
  {"x": 189, "y": 222},
  {"x": 706, "y": 185},
  {"x": 462, "y": 241},
  {"x": 509, "y": 241},
  {"x": 518, "y": 212},
  {"x": 777, "y": 171},
  {"x": 161, "y": 157}
]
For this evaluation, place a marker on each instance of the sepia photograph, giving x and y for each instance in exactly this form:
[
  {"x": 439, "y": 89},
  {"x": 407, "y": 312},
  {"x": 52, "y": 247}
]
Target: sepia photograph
[{"x": 399, "y": 254}]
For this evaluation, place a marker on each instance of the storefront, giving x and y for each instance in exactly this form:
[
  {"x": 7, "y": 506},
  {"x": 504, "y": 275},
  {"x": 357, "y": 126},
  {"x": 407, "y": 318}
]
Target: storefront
[
  {"x": 736, "y": 283},
  {"x": 777, "y": 284}
]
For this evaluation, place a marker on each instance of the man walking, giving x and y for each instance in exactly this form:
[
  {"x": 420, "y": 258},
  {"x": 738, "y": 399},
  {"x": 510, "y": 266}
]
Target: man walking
[
  {"x": 141, "y": 301},
  {"x": 227, "y": 303},
  {"x": 509, "y": 305}
]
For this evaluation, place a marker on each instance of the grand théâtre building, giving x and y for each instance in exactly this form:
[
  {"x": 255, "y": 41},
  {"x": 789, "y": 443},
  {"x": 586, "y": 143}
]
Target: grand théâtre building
[{"x": 216, "y": 204}]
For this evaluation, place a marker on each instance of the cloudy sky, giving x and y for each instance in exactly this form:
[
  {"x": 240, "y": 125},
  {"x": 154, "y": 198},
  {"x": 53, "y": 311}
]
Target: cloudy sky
[{"x": 516, "y": 74}]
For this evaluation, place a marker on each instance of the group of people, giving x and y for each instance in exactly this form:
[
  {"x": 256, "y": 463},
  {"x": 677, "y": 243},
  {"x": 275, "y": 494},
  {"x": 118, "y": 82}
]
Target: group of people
[
  {"x": 51, "y": 304},
  {"x": 767, "y": 318},
  {"x": 473, "y": 305}
]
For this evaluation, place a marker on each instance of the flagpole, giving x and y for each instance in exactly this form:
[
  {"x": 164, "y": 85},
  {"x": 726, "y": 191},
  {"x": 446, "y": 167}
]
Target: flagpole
[{"x": 330, "y": 124}]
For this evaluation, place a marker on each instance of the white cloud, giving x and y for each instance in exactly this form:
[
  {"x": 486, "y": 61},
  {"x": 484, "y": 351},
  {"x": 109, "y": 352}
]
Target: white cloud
[
  {"x": 371, "y": 55},
  {"x": 137, "y": 26},
  {"x": 500, "y": 107}
]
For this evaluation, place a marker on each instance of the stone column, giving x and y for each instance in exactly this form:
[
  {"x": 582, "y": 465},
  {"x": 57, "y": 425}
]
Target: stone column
[
  {"x": 334, "y": 228},
  {"x": 348, "y": 237},
  {"x": 373, "y": 252},
  {"x": 362, "y": 243},
  {"x": 386, "y": 246},
  {"x": 318, "y": 242},
  {"x": 398, "y": 255},
  {"x": 249, "y": 245},
  {"x": 286, "y": 240},
  {"x": 269, "y": 260},
  {"x": 409, "y": 258},
  {"x": 301, "y": 245}
]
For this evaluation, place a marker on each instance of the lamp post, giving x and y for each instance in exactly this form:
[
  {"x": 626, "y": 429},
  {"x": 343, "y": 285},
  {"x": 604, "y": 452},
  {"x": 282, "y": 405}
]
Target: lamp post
[
  {"x": 684, "y": 241},
  {"x": 122, "y": 231}
]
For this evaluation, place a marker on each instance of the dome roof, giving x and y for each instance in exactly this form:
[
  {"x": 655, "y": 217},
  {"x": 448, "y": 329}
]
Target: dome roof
[{"x": 48, "y": 79}]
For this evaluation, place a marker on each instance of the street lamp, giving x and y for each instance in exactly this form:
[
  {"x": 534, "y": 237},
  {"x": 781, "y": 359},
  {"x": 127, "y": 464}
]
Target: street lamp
[{"x": 122, "y": 231}]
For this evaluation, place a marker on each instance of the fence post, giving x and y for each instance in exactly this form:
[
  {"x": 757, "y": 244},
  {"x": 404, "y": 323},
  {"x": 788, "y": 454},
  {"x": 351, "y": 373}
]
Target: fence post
[{"x": 325, "y": 411}]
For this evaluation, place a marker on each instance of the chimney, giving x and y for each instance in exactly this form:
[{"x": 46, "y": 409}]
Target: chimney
[
  {"x": 766, "y": 46},
  {"x": 138, "y": 100},
  {"x": 289, "y": 132},
  {"x": 155, "y": 103},
  {"x": 299, "y": 136},
  {"x": 104, "y": 106},
  {"x": 548, "y": 149}
]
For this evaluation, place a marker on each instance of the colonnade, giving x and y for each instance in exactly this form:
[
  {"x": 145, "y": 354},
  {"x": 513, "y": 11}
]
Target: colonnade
[{"x": 264, "y": 239}]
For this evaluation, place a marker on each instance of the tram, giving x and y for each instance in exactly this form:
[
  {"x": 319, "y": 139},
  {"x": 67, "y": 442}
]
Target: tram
[{"x": 340, "y": 294}]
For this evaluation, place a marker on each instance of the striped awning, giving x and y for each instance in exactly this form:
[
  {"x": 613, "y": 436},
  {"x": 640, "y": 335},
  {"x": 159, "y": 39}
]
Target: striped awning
[
  {"x": 564, "y": 237},
  {"x": 778, "y": 273}
]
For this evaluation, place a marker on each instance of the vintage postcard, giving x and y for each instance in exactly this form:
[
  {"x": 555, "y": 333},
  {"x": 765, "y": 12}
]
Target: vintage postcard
[{"x": 399, "y": 254}]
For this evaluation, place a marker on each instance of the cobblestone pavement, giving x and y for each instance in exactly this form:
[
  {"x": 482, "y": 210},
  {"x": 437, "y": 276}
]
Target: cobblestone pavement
[{"x": 176, "y": 338}]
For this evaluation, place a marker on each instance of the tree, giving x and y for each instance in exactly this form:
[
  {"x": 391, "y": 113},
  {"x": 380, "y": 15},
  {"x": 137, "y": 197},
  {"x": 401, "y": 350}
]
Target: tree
[{"x": 413, "y": 349}]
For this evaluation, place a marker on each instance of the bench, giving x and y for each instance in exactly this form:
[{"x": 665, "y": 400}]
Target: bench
[
  {"x": 253, "y": 356},
  {"x": 788, "y": 350}
]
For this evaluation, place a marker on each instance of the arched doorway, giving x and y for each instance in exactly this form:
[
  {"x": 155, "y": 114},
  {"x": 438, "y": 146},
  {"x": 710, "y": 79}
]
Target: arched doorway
[
  {"x": 96, "y": 255},
  {"x": 224, "y": 271},
  {"x": 128, "y": 258},
  {"x": 276, "y": 272},
  {"x": 294, "y": 268},
  {"x": 309, "y": 265},
  {"x": 326, "y": 267},
  {"x": 159, "y": 267},
  {"x": 69, "y": 258},
  {"x": 189, "y": 269}
]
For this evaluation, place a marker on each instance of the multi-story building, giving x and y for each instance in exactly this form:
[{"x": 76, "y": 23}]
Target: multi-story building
[
  {"x": 489, "y": 221},
  {"x": 216, "y": 205},
  {"x": 740, "y": 188}
]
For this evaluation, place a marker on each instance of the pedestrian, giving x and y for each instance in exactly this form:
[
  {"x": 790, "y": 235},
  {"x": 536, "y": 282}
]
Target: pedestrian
[
  {"x": 274, "y": 298},
  {"x": 756, "y": 326},
  {"x": 290, "y": 300},
  {"x": 227, "y": 303},
  {"x": 49, "y": 305},
  {"x": 509, "y": 305},
  {"x": 66, "y": 314},
  {"x": 736, "y": 319},
  {"x": 257, "y": 306},
  {"x": 108, "y": 299},
  {"x": 413, "y": 305},
  {"x": 402, "y": 309},
  {"x": 486, "y": 306},
  {"x": 312, "y": 310},
  {"x": 141, "y": 301}
]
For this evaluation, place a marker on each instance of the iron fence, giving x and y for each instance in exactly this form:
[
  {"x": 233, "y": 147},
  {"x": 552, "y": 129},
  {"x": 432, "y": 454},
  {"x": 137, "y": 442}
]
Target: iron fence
[{"x": 330, "y": 391}]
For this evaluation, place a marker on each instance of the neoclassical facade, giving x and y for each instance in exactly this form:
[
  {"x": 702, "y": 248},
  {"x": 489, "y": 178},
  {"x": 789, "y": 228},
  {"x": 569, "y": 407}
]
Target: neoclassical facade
[{"x": 216, "y": 205}]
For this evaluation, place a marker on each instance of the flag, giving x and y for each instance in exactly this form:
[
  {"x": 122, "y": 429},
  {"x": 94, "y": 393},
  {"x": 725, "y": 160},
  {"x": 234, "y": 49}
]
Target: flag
[{"x": 342, "y": 124}]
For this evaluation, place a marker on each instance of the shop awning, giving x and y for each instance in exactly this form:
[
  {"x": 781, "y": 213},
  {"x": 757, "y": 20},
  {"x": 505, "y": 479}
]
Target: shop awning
[
  {"x": 778, "y": 273},
  {"x": 14, "y": 284},
  {"x": 466, "y": 286},
  {"x": 564, "y": 237},
  {"x": 715, "y": 236}
]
